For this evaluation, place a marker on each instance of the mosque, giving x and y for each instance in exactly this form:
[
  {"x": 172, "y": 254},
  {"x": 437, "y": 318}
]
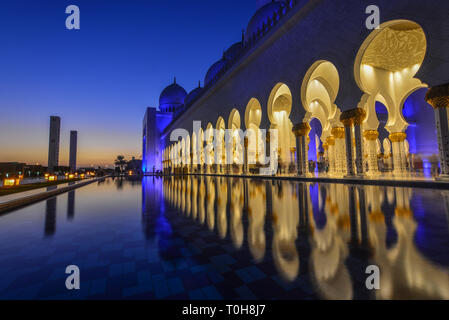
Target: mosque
[{"x": 312, "y": 87}]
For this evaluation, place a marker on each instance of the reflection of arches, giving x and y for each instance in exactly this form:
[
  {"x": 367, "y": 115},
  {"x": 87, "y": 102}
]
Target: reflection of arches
[
  {"x": 253, "y": 116},
  {"x": 384, "y": 69},
  {"x": 278, "y": 109}
]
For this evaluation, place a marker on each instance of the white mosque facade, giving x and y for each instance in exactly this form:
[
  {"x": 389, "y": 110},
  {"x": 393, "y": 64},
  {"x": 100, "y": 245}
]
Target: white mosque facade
[{"x": 317, "y": 91}]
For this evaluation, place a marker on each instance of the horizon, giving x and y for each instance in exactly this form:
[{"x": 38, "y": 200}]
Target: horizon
[{"x": 100, "y": 79}]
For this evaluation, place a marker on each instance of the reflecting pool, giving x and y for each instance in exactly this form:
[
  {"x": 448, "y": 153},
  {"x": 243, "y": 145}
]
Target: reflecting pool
[{"x": 231, "y": 238}]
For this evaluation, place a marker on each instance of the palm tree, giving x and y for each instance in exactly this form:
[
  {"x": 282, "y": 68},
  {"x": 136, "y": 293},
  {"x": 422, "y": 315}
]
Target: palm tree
[{"x": 120, "y": 162}]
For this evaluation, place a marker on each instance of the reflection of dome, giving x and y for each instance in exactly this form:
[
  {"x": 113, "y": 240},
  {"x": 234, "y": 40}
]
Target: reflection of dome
[
  {"x": 233, "y": 51},
  {"x": 172, "y": 97},
  {"x": 213, "y": 71},
  {"x": 262, "y": 16},
  {"x": 192, "y": 95}
]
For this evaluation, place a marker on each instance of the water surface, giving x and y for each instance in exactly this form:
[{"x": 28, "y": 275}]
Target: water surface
[{"x": 232, "y": 238}]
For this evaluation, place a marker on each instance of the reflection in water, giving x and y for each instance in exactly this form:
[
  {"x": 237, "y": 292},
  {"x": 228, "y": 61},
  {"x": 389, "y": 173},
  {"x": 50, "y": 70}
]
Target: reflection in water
[
  {"x": 71, "y": 205},
  {"x": 50, "y": 217},
  {"x": 346, "y": 228},
  {"x": 285, "y": 216}
]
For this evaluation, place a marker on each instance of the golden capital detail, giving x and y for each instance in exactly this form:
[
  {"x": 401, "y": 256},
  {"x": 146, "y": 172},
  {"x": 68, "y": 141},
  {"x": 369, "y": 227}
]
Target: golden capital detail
[
  {"x": 438, "y": 97},
  {"x": 338, "y": 132},
  {"x": 371, "y": 134},
  {"x": 301, "y": 129},
  {"x": 330, "y": 141},
  {"x": 398, "y": 136},
  {"x": 354, "y": 116}
]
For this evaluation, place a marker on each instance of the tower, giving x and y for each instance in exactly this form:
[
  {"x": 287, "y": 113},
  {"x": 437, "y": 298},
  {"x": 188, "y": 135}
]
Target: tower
[
  {"x": 53, "y": 147},
  {"x": 73, "y": 146}
]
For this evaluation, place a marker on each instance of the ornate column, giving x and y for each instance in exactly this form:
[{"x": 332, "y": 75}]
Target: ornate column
[
  {"x": 346, "y": 119},
  {"x": 268, "y": 148},
  {"x": 359, "y": 117},
  {"x": 352, "y": 120},
  {"x": 399, "y": 160},
  {"x": 330, "y": 141},
  {"x": 340, "y": 154},
  {"x": 371, "y": 142},
  {"x": 438, "y": 97},
  {"x": 245, "y": 155},
  {"x": 326, "y": 153},
  {"x": 301, "y": 130}
]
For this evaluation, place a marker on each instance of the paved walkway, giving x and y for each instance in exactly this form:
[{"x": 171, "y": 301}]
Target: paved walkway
[{"x": 20, "y": 199}]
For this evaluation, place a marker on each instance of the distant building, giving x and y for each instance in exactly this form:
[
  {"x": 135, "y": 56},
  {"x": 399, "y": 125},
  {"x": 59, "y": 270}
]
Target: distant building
[
  {"x": 134, "y": 165},
  {"x": 72, "y": 154},
  {"x": 53, "y": 147},
  {"x": 11, "y": 169},
  {"x": 171, "y": 103}
]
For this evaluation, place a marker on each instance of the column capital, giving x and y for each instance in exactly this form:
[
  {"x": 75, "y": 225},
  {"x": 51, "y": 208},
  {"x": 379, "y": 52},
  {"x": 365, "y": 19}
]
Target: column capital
[
  {"x": 397, "y": 136},
  {"x": 338, "y": 132},
  {"x": 438, "y": 96},
  {"x": 330, "y": 141},
  {"x": 301, "y": 129},
  {"x": 354, "y": 116},
  {"x": 371, "y": 134}
]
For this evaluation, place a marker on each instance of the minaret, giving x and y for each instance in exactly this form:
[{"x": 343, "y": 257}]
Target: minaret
[
  {"x": 72, "y": 154},
  {"x": 53, "y": 145}
]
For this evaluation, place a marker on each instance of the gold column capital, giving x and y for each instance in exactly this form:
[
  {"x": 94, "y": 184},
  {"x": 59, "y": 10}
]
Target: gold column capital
[
  {"x": 371, "y": 134},
  {"x": 338, "y": 132},
  {"x": 330, "y": 141},
  {"x": 438, "y": 96},
  {"x": 354, "y": 116},
  {"x": 398, "y": 136},
  {"x": 301, "y": 129}
]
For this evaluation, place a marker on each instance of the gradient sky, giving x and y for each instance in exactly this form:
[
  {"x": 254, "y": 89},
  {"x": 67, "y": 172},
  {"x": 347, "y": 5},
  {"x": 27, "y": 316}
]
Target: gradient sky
[{"x": 100, "y": 79}]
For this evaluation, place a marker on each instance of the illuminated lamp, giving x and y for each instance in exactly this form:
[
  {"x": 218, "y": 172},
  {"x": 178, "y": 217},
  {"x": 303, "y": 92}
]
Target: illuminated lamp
[
  {"x": 71, "y": 176},
  {"x": 82, "y": 175},
  {"x": 10, "y": 182},
  {"x": 52, "y": 178}
]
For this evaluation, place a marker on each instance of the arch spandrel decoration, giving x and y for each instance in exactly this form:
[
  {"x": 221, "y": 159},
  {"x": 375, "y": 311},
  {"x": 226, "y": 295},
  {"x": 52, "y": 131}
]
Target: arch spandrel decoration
[{"x": 385, "y": 67}]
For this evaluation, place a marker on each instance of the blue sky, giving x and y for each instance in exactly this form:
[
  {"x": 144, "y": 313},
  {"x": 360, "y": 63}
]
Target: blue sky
[{"x": 99, "y": 79}]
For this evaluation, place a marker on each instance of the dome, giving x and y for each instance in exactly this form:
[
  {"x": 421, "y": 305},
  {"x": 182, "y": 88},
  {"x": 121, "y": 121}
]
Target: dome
[
  {"x": 172, "y": 96},
  {"x": 262, "y": 16},
  {"x": 233, "y": 51},
  {"x": 192, "y": 95},
  {"x": 213, "y": 71}
]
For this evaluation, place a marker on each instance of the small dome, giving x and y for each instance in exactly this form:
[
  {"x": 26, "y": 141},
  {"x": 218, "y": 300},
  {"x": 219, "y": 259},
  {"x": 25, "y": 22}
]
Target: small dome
[
  {"x": 192, "y": 95},
  {"x": 233, "y": 51},
  {"x": 171, "y": 97},
  {"x": 213, "y": 71},
  {"x": 262, "y": 16}
]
